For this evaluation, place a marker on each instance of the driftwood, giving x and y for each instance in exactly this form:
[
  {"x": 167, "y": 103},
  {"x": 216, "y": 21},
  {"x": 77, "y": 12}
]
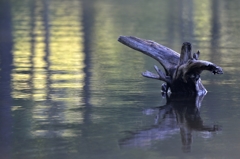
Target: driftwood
[
  {"x": 182, "y": 71},
  {"x": 180, "y": 115}
]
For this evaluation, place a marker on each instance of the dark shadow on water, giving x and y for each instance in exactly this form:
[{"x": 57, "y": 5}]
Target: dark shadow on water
[
  {"x": 88, "y": 13},
  {"x": 6, "y": 60},
  {"x": 181, "y": 114}
]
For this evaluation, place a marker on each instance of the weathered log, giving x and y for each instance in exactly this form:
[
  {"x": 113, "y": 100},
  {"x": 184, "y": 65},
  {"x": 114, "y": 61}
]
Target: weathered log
[{"x": 182, "y": 71}]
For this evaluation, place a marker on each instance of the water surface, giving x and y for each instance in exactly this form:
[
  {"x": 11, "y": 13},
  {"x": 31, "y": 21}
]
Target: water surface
[{"x": 68, "y": 89}]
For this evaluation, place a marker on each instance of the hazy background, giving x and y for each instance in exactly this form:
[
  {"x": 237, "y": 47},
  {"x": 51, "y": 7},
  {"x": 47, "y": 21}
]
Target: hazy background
[{"x": 68, "y": 89}]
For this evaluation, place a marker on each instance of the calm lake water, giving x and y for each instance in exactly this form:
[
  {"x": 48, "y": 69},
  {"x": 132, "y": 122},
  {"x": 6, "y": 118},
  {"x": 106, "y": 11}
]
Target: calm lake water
[{"x": 69, "y": 89}]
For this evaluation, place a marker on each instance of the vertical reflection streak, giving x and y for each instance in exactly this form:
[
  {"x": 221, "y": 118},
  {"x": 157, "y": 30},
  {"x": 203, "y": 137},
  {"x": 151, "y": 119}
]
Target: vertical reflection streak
[
  {"x": 47, "y": 50},
  {"x": 32, "y": 47},
  {"x": 5, "y": 78},
  {"x": 187, "y": 20},
  {"x": 52, "y": 108},
  {"x": 215, "y": 30},
  {"x": 87, "y": 21}
]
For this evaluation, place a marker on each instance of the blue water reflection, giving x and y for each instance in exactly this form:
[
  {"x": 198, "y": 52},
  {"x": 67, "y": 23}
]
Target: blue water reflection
[
  {"x": 180, "y": 115},
  {"x": 68, "y": 89}
]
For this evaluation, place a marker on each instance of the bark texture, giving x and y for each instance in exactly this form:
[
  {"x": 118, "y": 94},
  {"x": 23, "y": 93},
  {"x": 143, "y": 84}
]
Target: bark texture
[{"x": 181, "y": 71}]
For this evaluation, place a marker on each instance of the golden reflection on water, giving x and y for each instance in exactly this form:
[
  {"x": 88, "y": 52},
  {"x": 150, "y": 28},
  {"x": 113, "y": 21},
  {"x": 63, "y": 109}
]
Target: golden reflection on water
[
  {"x": 48, "y": 62},
  {"x": 49, "y": 78},
  {"x": 48, "y": 51},
  {"x": 202, "y": 19}
]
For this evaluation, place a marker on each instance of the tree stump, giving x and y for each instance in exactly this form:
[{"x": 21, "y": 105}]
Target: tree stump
[{"x": 182, "y": 71}]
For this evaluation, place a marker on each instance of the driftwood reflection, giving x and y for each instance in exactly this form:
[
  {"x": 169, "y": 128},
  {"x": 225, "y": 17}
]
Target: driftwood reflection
[{"x": 181, "y": 114}]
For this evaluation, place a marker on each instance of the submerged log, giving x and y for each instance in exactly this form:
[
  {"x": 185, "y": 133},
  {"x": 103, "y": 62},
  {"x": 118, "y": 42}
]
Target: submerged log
[{"x": 182, "y": 71}]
